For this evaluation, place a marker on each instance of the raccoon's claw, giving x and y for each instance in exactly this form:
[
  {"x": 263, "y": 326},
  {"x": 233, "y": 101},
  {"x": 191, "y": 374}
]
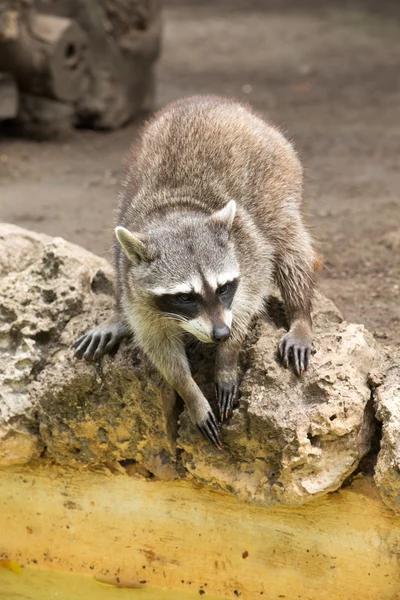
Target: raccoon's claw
[
  {"x": 97, "y": 342},
  {"x": 210, "y": 430},
  {"x": 296, "y": 350},
  {"x": 226, "y": 396}
]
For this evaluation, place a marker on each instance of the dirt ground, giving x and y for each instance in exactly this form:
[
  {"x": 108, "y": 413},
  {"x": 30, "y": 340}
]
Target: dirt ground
[{"x": 329, "y": 77}]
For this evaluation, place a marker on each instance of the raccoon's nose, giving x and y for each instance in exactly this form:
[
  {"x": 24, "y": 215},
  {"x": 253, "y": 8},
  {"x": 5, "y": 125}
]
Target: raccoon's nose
[{"x": 220, "y": 334}]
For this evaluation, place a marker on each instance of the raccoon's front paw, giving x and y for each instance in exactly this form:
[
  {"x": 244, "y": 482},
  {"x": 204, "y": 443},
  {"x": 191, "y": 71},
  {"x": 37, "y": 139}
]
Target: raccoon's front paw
[
  {"x": 295, "y": 350},
  {"x": 226, "y": 398},
  {"x": 98, "y": 342},
  {"x": 209, "y": 428}
]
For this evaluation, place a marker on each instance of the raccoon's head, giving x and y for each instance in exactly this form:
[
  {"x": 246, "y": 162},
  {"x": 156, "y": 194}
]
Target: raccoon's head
[{"x": 187, "y": 265}]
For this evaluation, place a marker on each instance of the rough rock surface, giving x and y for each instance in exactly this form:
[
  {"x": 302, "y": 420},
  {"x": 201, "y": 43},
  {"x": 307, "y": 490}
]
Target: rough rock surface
[
  {"x": 291, "y": 440},
  {"x": 387, "y": 401},
  {"x": 52, "y": 292}
]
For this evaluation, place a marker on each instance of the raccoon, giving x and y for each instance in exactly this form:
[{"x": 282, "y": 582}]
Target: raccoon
[{"x": 209, "y": 219}]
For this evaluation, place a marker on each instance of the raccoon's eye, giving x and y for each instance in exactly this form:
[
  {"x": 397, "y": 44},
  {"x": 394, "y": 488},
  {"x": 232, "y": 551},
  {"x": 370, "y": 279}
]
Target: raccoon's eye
[
  {"x": 223, "y": 289},
  {"x": 226, "y": 292},
  {"x": 187, "y": 297}
]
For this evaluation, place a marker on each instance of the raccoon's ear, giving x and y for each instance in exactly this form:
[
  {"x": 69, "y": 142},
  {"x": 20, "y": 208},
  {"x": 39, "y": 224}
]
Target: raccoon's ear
[
  {"x": 224, "y": 217},
  {"x": 133, "y": 244}
]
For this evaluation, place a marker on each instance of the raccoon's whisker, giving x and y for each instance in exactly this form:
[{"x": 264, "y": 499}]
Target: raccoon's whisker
[
  {"x": 164, "y": 321},
  {"x": 166, "y": 318},
  {"x": 173, "y": 317},
  {"x": 172, "y": 335},
  {"x": 196, "y": 344},
  {"x": 193, "y": 343}
]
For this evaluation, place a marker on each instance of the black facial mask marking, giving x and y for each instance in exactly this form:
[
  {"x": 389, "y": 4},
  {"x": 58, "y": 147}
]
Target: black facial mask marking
[
  {"x": 189, "y": 305},
  {"x": 175, "y": 304},
  {"x": 227, "y": 292}
]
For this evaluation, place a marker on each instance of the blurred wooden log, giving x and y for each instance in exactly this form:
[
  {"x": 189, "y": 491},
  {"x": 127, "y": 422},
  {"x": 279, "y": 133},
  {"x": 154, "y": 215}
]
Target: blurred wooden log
[
  {"x": 8, "y": 96},
  {"x": 63, "y": 46},
  {"x": 96, "y": 55},
  {"x": 124, "y": 41},
  {"x": 45, "y": 111},
  {"x": 45, "y": 53}
]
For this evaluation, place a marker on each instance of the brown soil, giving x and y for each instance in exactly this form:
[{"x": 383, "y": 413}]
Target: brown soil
[{"x": 328, "y": 76}]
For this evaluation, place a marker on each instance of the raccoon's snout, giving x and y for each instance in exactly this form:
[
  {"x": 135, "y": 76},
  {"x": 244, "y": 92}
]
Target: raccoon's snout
[{"x": 221, "y": 334}]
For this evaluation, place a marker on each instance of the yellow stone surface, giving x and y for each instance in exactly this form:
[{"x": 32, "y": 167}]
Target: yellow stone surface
[
  {"x": 134, "y": 532},
  {"x": 40, "y": 584}
]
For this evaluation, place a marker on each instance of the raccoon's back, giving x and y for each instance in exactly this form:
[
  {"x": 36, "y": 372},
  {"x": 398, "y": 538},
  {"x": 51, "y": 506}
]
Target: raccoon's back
[
  {"x": 215, "y": 142},
  {"x": 205, "y": 150}
]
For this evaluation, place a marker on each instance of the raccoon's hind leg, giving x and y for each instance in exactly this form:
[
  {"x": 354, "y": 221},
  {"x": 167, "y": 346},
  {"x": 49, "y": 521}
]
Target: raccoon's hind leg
[
  {"x": 226, "y": 379},
  {"x": 294, "y": 273},
  {"x": 101, "y": 340}
]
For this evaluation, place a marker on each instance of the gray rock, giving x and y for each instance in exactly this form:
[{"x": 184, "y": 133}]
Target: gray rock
[
  {"x": 45, "y": 283},
  {"x": 290, "y": 441},
  {"x": 80, "y": 413},
  {"x": 293, "y": 439},
  {"x": 387, "y": 401}
]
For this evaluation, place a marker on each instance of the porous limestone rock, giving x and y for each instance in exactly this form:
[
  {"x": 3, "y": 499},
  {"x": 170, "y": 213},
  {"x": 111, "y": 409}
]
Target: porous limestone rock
[
  {"x": 290, "y": 441},
  {"x": 293, "y": 439},
  {"x": 387, "y": 401},
  {"x": 53, "y": 291}
]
